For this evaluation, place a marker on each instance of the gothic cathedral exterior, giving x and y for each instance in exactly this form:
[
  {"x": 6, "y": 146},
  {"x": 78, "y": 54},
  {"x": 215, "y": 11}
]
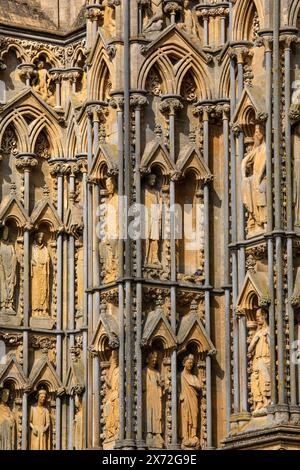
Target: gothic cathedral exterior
[{"x": 187, "y": 335}]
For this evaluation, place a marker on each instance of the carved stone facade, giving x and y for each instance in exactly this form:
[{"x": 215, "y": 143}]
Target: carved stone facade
[{"x": 150, "y": 224}]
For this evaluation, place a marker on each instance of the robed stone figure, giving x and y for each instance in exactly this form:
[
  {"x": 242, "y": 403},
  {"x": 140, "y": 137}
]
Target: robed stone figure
[
  {"x": 8, "y": 273},
  {"x": 40, "y": 424},
  {"x": 152, "y": 402},
  {"x": 78, "y": 424},
  {"x": 254, "y": 182},
  {"x": 112, "y": 230},
  {"x": 111, "y": 409},
  {"x": 7, "y": 423},
  {"x": 259, "y": 351},
  {"x": 190, "y": 390},
  {"x": 40, "y": 277},
  {"x": 153, "y": 221}
]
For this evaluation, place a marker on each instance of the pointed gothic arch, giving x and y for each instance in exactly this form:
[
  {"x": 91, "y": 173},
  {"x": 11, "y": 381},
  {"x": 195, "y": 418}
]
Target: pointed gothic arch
[{"x": 244, "y": 13}]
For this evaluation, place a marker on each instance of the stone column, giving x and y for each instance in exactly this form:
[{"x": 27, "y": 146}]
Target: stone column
[
  {"x": 58, "y": 169},
  {"x": 277, "y": 156},
  {"x": 225, "y": 109},
  {"x": 25, "y": 163},
  {"x": 26, "y": 72},
  {"x": 137, "y": 101},
  {"x": 169, "y": 105},
  {"x": 171, "y": 8},
  {"x": 56, "y": 75},
  {"x": 2, "y": 83},
  {"x": 288, "y": 38},
  {"x": 117, "y": 102},
  {"x": 93, "y": 14}
]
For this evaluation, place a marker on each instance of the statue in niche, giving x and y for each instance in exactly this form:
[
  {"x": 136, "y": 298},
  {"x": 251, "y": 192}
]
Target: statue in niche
[
  {"x": 111, "y": 411},
  {"x": 109, "y": 17},
  {"x": 191, "y": 23},
  {"x": 8, "y": 273},
  {"x": 7, "y": 423},
  {"x": 190, "y": 390},
  {"x": 259, "y": 351},
  {"x": 297, "y": 178},
  {"x": 112, "y": 230},
  {"x": 42, "y": 83},
  {"x": 153, "y": 221},
  {"x": 40, "y": 277},
  {"x": 254, "y": 182},
  {"x": 78, "y": 431},
  {"x": 153, "y": 15},
  {"x": 40, "y": 424},
  {"x": 153, "y": 386}
]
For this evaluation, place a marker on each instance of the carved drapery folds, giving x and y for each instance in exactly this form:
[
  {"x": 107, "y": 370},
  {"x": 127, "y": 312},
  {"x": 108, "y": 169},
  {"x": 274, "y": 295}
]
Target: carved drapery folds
[{"x": 192, "y": 345}]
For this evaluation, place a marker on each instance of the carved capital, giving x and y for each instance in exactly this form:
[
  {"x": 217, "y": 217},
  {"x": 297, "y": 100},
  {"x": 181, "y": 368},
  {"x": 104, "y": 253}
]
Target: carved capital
[
  {"x": 241, "y": 54},
  {"x": 172, "y": 7},
  {"x": 93, "y": 12},
  {"x": 294, "y": 113},
  {"x": 117, "y": 102},
  {"x": 295, "y": 301},
  {"x": 59, "y": 169},
  {"x": 170, "y": 105},
  {"x": 138, "y": 101},
  {"x": 26, "y": 71},
  {"x": 25, "y": 162},
  {"x": 264, "y": 302},
  {"x": 236, "y": 128},
  {"x": 203, "y": 12},
  {"x": 288, "y": 40}
]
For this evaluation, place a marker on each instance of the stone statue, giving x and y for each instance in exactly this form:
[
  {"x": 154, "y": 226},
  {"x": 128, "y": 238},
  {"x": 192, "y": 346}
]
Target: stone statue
[
  {"x": 112, "y": 230},
  {"x": 259, "y": 351},
  {"x": 153, "y": 221},
  {"x": 40, "y": 424},
  {"x": 190, "y": 390},
  {"x": 254, "y": 182},
  {"x": 297, "y": 178},
  {"x": 42, "y": 82},
  {"x": 111, "y": 411},
  {"x": 8, "y": 273},
  {"x": 191, "y": 23},
  {"x": 153, "y": 17},
  {"x": 40, "y": 275},
  {"x": 152, "y": 402},
  {"x": 78, "y": 431},
  {"x": 109, "y": 16},
  {"x": 7, "y": 423}
]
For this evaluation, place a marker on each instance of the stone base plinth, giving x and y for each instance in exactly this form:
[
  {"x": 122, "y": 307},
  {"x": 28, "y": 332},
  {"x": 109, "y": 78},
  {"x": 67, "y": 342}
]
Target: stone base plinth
[
  {"x": 10, "y": 319},
  {"x": 46, "y": 323}
]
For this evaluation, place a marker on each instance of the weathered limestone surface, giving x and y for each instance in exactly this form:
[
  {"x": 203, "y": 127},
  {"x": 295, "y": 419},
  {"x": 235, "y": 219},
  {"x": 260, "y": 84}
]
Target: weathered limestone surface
[{"x": 187, "y": 337}]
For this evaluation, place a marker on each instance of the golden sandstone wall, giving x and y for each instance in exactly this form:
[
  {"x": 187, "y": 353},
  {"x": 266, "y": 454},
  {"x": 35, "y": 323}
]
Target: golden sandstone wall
[{"x": 150, "y": 217}]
